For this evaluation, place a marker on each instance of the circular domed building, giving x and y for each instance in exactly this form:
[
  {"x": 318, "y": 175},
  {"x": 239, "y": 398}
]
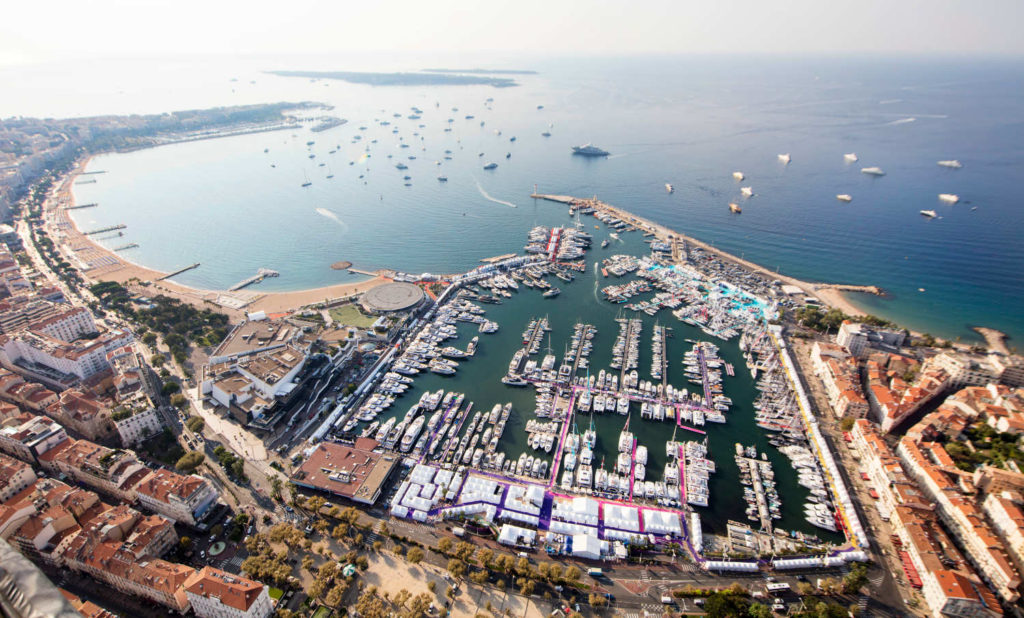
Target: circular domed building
[{"x": 392, "y": 297}]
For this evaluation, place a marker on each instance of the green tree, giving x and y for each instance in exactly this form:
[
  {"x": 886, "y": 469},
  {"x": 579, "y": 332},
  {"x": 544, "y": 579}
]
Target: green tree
[
  {"x": 444, "y": 545},
  {"x": 190, "y": 461},
  {"x": 573, "y": 573},
  {"x": 456, "y": 567},
  {"x": 415, "y": 555},
  {"x": 759, "y": 610},
  {"x": 194, "y": 423},
  {"x": 179, "y": 401},
  {"x": 726, "y": 605}
]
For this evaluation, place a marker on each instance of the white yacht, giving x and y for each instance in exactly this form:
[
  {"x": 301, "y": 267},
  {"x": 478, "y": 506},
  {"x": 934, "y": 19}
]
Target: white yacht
[
  {"x": 738, "y": 175},
  {"x": 872, "y": 171},
  {"x": 850, "y": 157},
  {"x": 747, "y": 191},
  {"x": 785, "y": 158},
  {"x": 949, "y": 198},
  {"x": 951, "y": 163},
  {"x": 844, "y": 197},
  {"x": 931, "y": 214}
]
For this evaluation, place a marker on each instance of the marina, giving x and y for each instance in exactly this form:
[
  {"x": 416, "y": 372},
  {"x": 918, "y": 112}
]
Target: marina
[{"x": 581, "y": 403}]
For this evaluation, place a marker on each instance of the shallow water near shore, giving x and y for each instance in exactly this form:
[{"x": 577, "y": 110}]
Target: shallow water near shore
[{"x": 689, "y": 122}]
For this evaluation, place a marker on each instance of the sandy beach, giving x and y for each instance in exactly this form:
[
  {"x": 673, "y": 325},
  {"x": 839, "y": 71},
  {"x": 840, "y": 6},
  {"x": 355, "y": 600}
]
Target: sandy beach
[{"x": 97, "y": 263}]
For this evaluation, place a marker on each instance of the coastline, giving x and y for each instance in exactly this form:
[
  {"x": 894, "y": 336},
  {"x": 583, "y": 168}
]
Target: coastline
[
  {"x": 98, "y": 263},
  {"x": 236, "y": 303}
]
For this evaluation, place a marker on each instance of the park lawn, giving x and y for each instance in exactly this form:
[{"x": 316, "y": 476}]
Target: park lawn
[
  {"x": 350, "y": 315},
  {"x": 322, "y": 612},
  {"x": 275, "y": 593}
]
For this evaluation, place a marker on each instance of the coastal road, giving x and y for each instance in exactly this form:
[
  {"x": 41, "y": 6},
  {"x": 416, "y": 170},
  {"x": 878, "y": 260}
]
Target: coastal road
[{"x": 888, "y": 589}]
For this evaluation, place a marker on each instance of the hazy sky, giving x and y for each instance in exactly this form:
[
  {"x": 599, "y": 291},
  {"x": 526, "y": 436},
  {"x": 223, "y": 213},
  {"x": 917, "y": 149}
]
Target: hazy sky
[{"x": 34, "y": 30}]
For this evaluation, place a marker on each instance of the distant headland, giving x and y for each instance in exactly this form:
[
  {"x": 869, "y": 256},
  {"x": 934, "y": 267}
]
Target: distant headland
[
  {"x": 482, "y": 71},
  {"x": 403, "y": 79}
]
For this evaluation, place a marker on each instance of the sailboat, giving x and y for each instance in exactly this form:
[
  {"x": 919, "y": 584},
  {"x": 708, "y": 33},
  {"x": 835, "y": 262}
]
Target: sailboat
[
  {"x": 330, "y": 174},
  {"x": 306, "y": 176}
]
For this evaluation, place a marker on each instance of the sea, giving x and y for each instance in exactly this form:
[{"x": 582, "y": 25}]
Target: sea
[{"x": 237, "y": 204}]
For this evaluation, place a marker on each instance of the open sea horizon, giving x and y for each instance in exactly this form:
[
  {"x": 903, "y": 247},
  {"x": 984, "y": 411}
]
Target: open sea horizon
[{"x": 688, "y": 121}]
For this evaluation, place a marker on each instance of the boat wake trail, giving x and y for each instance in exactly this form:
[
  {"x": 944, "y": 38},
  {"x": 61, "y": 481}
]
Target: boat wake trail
[
  {"x": 901, "y": 121},
  {"x": 488, "y": 197},
  {"x": 597, "y": 282},
  {"x": 331, "y": 215}
]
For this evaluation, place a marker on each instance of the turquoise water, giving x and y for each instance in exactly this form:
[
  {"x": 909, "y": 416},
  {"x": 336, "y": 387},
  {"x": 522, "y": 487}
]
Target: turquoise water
[{"x": 688, "y": 121}]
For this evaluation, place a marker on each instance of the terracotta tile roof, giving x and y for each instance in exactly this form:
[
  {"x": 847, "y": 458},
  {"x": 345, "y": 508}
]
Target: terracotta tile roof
[
  {"x": 162, "y": 484},
  {"x": 232, "y": 590}
]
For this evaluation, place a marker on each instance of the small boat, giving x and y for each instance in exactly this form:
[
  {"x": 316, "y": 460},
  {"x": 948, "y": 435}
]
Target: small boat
[
  {"x": 951, "y": 163},
  {"x": 553, "y": 292},
  {"x": 733, "y": 207},
  {"x": 844, "y": 197},
  {"x": 738, "y": 175},
  {"x": 850, "y": 157},
  {"x": 491, "y": 166},
  {"x": 546, "y": 134},
  {"x": 442, "y": 178},
  {"x": 784, "y": 158},
  {"x": 931, "y": 214},
  {"x": 747, "y": 191},
  {"x": 872, "y": 171},
  {"x": 669, "y": 188},
  {"x": 949, "y": 198}
]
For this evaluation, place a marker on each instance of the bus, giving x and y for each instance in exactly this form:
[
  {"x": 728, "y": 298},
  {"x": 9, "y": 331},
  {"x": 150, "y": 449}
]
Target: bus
[{"x": 776, "y": 587}]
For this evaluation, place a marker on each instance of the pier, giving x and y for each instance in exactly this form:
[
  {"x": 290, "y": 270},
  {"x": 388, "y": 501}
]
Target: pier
[
  {"x": 664, "y": 353},
  {"x": 178, "y": 272},
  {"x": 130, "y": 245},
  {"x": 754, "y": 466},
  {"x": 78, "y": 206},
  {"x": 498, "y": 258},
  {"x": 109, "y": 228},
  {"x": 649, "y": 228},
  {"x": 91, "y": 173},
  {"x": 260, "y": 275},
  {"x": 845, "y": 287}
]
